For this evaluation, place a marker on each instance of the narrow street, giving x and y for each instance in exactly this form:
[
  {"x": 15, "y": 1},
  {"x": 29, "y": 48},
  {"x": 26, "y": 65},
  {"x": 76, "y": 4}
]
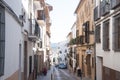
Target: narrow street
[
  {"x": 63, "y": 74},
  {"x": 59, "y": 74}
]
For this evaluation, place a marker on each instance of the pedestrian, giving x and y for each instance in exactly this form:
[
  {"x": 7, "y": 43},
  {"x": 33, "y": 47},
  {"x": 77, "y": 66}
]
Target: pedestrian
[
  {"x": 79, "y": 72},
  {"x": 44, "y": 71}
]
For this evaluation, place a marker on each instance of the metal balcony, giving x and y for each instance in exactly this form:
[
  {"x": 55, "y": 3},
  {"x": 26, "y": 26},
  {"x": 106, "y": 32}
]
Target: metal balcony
[
  {"x": 80, "y": 40},
  {"x": 115, "y": 3},
  {"x": 41, "y": 17},
  {"x": 105, "y": 7},
  {"x": 36, "y": 35}
]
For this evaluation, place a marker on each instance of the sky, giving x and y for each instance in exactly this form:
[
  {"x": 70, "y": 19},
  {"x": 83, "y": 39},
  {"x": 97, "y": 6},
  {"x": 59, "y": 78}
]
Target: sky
[{"x": 62, "y": 18}]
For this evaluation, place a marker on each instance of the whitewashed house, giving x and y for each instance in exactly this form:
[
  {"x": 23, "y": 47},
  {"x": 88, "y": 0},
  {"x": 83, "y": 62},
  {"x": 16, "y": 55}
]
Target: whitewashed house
[
  {"x": 11, "y": 40},
  {"x": 107, "y": 37},
  {"x": 73, "y": 31},
  {"x": 71, "y": 40},
  {"x": 62, "y": 52},
  {"x": 22, "y": 37}
]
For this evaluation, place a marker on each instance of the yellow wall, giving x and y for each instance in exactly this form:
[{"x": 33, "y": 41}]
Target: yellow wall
[{"x": 85, "y": 13}]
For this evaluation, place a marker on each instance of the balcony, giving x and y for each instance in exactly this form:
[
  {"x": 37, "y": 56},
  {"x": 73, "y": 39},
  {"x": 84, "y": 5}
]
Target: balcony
[
  {"x": 86, "y": 31},
  {"x": 115, "y": 3},
  {"x": 72, "y": 42},
  {"x": 36, "y": 35},
  {"x": 41, "y": 17},
  {"x": 96, "y": 13},
  {"x": 75, "y": 51},
  {"x": 105, "y": 7},
  {"x": 80, "y": 40},
  {"x": 70, "y": 52}
]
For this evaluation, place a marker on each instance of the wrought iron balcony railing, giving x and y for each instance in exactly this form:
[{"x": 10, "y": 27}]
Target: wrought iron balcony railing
[
  {"x": 80, "y": 40},
  {"x": 36, "y": 35}
]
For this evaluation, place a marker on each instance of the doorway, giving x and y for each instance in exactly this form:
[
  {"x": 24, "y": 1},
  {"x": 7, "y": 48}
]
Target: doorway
[{"x": 25, "y": 60}]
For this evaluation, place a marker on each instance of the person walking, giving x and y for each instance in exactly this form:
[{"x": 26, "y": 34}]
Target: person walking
[
  {"x": 79, "y": 72},
  {"x": 44, "y": 71}
]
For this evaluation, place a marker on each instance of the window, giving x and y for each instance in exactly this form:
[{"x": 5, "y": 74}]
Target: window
[
  {"x": 86, "y": 30},
  {"x": 60, "y": 52},
  {"x": 77, "y": 59},
  {"x": 40, "y": 44},
  {"x": 77, "y": 33},
  {"x": 106, "y": 35},
  {"x": 2, "y": 40},
  {"x": 97, "y": 34},
  {"x": 116, "y": 33},
  {"x": 65, "y": 50}
]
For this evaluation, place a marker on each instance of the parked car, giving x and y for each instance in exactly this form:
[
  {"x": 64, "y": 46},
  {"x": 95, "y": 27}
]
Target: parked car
[
  {"x": 56, "y": 65},
  {"x": 62, "y": 66}
]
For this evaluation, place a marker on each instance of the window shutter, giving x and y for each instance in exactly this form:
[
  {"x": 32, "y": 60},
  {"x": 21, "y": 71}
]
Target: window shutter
[
  {"x": 87, "y": 32},
  {"x": 119, "y": 33},
  {"x": 97, "y": 34},
  {"x": 106, "y": 35},
  {"x": 2, "y": 39},
  {"x": 116, "y": 33}
]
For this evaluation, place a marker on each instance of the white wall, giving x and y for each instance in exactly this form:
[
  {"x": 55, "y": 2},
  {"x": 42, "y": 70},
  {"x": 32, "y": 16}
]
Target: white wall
[
  {"x": 110, "y": 58},
  {"x": 99, "y": 68},
  {"x": 13, "y": 38},
  {"x": 73, "y": 30},
  {"x": 62, "y": 47},
  {"x": 15, "y": 5},
  {"x": 99, "y": 51}
]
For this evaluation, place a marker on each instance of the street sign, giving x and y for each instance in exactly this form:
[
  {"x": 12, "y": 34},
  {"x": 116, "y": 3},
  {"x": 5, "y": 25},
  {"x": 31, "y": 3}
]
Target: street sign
[{"x": 88, "y": 51}]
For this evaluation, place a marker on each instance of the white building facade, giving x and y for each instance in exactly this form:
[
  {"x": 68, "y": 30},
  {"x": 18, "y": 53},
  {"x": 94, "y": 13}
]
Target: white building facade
[
  {"x": 62, "y": 52},
  {"x": 73, "y": 32},
  {"x": 10, "y": 40},
  {"x": 107, "y": 22},
  {"x": 22, "y": 39}
]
